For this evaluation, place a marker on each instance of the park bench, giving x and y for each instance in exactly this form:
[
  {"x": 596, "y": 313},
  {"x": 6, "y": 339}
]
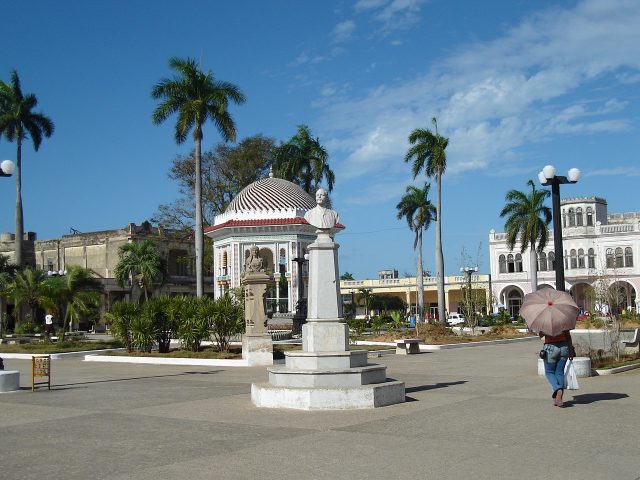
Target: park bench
[
  {"x": 406, "y": 346},
  {"x": 632, "y": 346}
]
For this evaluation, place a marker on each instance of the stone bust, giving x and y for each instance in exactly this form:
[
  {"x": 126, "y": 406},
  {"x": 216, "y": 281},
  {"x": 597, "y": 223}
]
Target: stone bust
[
  {"x": 253, "y": 263},
  {"x": 321, "y": 216}
]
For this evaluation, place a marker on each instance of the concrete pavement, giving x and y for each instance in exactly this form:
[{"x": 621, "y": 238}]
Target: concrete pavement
[{"x": 480, "y": 413}]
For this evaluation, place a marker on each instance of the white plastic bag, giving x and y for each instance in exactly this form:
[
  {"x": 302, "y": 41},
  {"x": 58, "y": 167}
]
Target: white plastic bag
[{"x": 570, "y": 377}]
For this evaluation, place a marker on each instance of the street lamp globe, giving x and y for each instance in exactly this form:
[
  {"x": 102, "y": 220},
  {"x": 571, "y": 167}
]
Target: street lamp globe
[
  {"x": 574, "y": 175},
  {"x": 7, "y": 168}
]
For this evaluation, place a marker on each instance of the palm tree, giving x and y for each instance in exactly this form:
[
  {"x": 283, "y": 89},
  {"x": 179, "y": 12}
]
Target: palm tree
[
  {"x": 18, "y": 122},
  {"x": 77, "y": 291},
  {"x": 428, "y": 154},
  {"x": 304, "y": 160},
  {"x": 418, "y": 210},
  {"x": 141, "y": 262},
  {"x": 7, "y": 272},
  {"x": 367, "y": 295},
  {"x": 527, "y": 221},
  {"x": 196, "y": 97},
  {"x": 29, "y": 287}
]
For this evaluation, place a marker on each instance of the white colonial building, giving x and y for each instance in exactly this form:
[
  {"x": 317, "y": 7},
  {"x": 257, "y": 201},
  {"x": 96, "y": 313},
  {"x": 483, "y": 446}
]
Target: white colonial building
[
  {"x": 270, "y": 214},
  {"x": 596, "y": 245}
]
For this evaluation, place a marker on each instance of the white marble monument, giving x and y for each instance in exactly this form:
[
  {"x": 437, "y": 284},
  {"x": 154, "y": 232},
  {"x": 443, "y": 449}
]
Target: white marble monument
[{"x": 326, "y": 375}]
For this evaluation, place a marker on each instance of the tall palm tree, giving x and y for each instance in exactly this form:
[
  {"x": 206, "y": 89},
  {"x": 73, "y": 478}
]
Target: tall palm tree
[
  {"x": 367, "y": 295},
  {"x": 77, "y": 291},
  {"x": 196, "y": 97},
  {"x": 527, "y": 221},
  {"x": 141, "y": 262},
  {"x": 418, "y": 210},
  {"x": 18, "y": 122},
  {"x": 304, "y": 160},
  {"x": 428, "y": 154}
]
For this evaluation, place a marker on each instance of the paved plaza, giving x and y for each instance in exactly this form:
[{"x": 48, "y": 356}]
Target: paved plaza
[{"x": 473, "y": 413}]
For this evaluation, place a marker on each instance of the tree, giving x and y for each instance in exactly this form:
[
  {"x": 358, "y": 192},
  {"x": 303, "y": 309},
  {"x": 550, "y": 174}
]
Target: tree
[
  {"x": 303, "y": 160},
  {"x": 122, "y": 316},
  {"x": 428, "y": 154},
  {"x": 346, "y": 276},
  {"x": 418, "y": 210},
  {"x": 365, "y": 294},
  {"x": 527, "y": 221},
  {"x": 142, "y": 262},
  {"x": 76, "y": 291},
  {"x": 18, "y": 122},
  {"x": 226, "y": 170},
  {"x": 196, "y": 97},
  {"x": 28, "y": 287},
  {"x": 7, "y": 272}
]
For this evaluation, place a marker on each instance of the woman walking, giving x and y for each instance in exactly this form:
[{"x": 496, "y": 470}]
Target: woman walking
[{"x": 557, "y": 349}]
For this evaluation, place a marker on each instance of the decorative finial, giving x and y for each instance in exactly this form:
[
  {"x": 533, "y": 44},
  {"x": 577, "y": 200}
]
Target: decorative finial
[{"x": 271, "y": 171}]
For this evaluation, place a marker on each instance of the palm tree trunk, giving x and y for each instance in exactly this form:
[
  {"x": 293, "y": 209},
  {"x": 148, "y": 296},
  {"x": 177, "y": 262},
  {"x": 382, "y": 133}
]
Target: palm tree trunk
[
  {"x": 420, "y": 281},
  {"x": 533, "y": 267},
  {"x": 199, "y": 234},
  {"x": 439, "y": 256},
  {"x": 19, "y": 220}
]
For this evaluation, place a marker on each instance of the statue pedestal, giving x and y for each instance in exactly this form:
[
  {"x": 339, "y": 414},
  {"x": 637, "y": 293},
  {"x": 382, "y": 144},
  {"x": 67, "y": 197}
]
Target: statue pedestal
[
  {"x": 326, "y": 375},
  {"x": 257, "y": 348}
]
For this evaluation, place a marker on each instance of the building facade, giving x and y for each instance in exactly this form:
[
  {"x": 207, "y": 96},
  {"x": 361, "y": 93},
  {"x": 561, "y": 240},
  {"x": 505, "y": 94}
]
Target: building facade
[{"x": 599, "y": 249}]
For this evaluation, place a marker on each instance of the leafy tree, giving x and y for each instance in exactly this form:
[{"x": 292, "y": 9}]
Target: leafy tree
[
  {"x": 7, "y": 271},
  {"x": 346, "y": 276},
  {"x": 527, "y": 221},
  {"x": 385, "y": 303},
  {"x": 142, "y": 262},
  {"x": 303, "y": 160},
  {"x": 226, "y": 170},
  {"x": 418, "y": 210},
  {"x": 226, "y": 317},
  {"x": 428, "y": 154},
  {"x": 161, "y": 320},
  {"x": 196, "y": 97},
  {"x": 18, "y": 122},
  {"x": 76, "y": 292},
  {"x": 122, "y": 316},
  {"x": 193, "y": 328}
]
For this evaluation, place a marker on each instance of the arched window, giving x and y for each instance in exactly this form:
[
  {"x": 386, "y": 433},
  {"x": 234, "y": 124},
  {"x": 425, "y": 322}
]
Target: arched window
[
  {"x": 589, "y": 217},
  {"x": 619, "y": 258},
  {"x": 511, "y": 266},
  {"x": 580, "y": 258},
  {"x": 224, "y": 262},
  {"x": 628, "y": 257},
  {"x": 551, "y": 260},
  {"x": 572, "y": 218},
  {"x": 542, "y": 262},
  {"x": 502, "y": 264},
  {"x": 574, "y": 258},
  {"x": 579, "y": 217},
  {"x": 591, "y": 260},
  {"x": 564, "y": 218},
  {"x": 610, "y": 259},
  {"x": 283, "y": 261},
  {"x": 518, "y": 262}
]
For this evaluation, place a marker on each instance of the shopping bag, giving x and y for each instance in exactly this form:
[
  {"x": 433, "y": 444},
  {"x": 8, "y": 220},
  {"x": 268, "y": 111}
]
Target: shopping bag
[{"x": 570, "y": 377}]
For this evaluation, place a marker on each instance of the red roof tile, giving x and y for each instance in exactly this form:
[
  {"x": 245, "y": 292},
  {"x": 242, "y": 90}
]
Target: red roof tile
[{"x": 261, "y": 222}]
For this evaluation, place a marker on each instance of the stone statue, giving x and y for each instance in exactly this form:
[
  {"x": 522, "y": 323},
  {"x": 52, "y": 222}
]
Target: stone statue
[
  {"x": 253, "y": 263},
  {"x": 320, "y": 216}
]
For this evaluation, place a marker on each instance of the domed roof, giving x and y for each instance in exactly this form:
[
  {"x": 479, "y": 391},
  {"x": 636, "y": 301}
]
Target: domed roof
[{"x": 271, "y": 194}]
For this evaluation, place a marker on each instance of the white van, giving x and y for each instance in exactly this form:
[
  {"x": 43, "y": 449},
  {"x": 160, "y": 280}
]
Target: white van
[{"x": 455, "y": 319}]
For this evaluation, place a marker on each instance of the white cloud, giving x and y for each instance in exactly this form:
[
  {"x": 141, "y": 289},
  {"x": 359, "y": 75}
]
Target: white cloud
[
  {"x": 536, "y": 82},
  {"x": 616, "y": 171},
  {"x": 392, "y": 14},
  {"x": 343, "y": 31}
]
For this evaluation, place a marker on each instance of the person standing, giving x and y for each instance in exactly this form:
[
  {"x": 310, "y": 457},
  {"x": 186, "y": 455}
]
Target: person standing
[
  {"x": 48, "y": 324},
  {"x": 555, "y": 352}
]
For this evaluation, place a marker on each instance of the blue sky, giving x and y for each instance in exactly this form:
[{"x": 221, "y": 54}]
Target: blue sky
[{"x": 515, "y": 86}]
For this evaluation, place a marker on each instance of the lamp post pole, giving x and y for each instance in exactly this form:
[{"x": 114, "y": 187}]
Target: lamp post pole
[
  {"x": 469, "y": 271},
  {"x": 548, "y": 177}
]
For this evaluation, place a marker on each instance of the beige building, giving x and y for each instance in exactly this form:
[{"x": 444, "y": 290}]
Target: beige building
[{"x": 98, "y": 252}]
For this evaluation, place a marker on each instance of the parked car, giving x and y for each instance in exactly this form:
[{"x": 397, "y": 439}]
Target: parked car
[{"x": 455, "y": 319}]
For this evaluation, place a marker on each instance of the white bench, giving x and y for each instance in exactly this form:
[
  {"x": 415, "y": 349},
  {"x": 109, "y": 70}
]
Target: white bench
[
  {"x": 9, "y": 380},
  {"x": 405, "y": 346},
  {"x": 632, "y": 346}
]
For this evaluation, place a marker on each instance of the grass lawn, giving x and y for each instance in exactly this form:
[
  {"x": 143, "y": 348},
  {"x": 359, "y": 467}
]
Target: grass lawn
[
  {"x": 59, "y": 347},
  {"x": 439, "y": 335},
  {"x": 610, "y": 362}
]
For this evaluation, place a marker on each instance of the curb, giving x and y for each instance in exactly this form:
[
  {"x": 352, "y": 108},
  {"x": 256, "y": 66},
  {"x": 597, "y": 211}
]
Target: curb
[
  {"x": 613, "y": 371},
  {"x": 57, "y": 356},
  {"x": 448, "y": 346},
  {"x": 212, "y": 362}
]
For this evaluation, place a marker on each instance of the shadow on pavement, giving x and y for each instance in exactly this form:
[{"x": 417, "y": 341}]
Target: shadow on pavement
[
  {"x": 422, "y": 388},
  {"x": 595, "y": 397},
  {"x": 58, "y": 385}
]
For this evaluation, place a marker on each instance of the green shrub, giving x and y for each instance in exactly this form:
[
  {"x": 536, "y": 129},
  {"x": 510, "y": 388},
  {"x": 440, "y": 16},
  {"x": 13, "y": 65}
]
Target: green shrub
[
  {"x": 193, "y": 326},
  {"x": 159, "y": 313},
  {"x": 28, "y": 327},
  {"x": 357, "y": 325},
  {"x": 143, "y": 332},
  {"x": 122, "y": 315},
  {"x": 378, "y": 323},
  {"x": 226, "y": 318}
]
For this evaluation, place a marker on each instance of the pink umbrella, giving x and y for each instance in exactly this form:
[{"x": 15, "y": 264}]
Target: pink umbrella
[{"x": 549, "y": 311}]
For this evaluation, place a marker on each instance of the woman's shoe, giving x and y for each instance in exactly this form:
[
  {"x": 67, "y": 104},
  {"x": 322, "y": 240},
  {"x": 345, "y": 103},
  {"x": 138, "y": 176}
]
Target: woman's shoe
[{"x": 559, "y": 398}]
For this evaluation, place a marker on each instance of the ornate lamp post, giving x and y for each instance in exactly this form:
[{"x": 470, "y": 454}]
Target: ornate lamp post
[
  {"x": 548, "y": 177},
  {"x": 7, "y": 168},
  {"x": 301, "y": 304}
]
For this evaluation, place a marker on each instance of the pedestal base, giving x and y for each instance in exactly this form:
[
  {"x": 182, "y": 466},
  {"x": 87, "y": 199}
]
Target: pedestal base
[
  {"x": 257, "y": 348},
  {"x": 325, "y": 336},
  {"x": 343, "y": 398},
  {"x": 9, "y": 380}
]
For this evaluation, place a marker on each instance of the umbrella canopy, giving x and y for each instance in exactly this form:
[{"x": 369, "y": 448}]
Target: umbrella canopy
[{"x": 549, "y": 311}]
